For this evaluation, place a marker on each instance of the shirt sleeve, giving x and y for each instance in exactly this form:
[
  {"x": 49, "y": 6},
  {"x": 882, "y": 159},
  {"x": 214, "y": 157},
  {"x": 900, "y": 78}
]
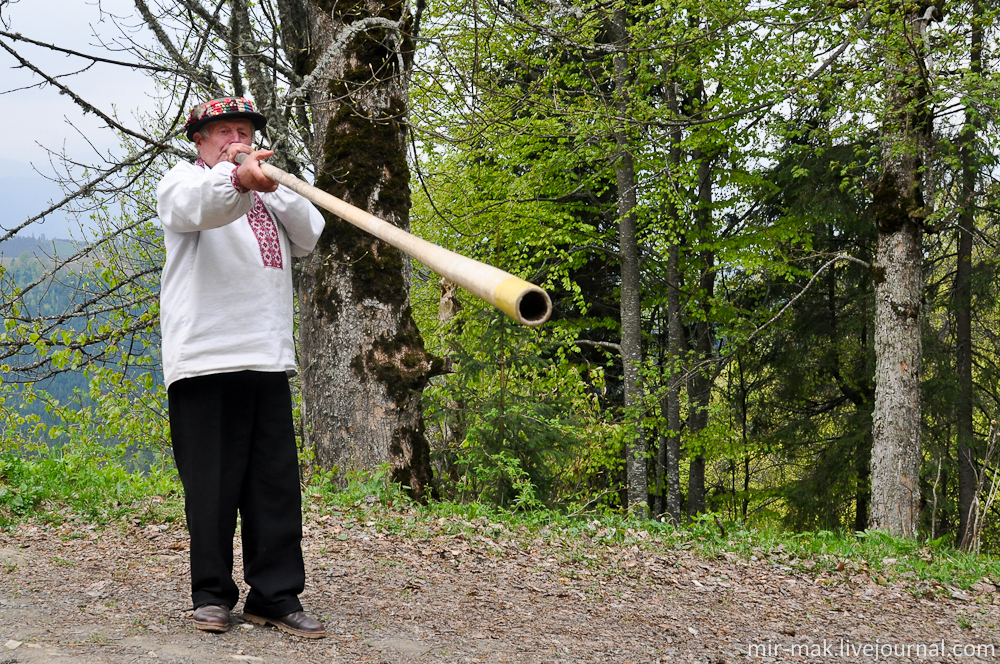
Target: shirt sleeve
[
  {"x": 303, "y": 223},
  {"x": 190, "y": 198}
]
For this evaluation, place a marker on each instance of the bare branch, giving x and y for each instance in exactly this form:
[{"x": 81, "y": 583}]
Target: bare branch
[
  {"x": 82, "y": 103},
  {"x": 337, "y": 45},
  {"x": 203, "y": 77},
  {"x": 83, "y": 190},
  {"x": 601, "y": 344},
  {"x": 791, "y": 302},
  {"x": 16, "y": 36}
]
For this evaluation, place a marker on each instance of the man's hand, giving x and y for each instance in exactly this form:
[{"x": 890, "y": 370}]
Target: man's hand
[
  {"x": 249, "y": 172},
  {"x": 230, "y": 151}
]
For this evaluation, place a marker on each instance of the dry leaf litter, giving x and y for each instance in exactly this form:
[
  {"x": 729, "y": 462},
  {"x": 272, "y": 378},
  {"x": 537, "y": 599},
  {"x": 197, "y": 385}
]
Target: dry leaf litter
[{"x": 482, "y": 594}]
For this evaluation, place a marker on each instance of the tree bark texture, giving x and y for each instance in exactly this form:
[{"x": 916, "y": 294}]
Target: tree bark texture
[
  {"x": 964, "y": 407},
  {"x": 631, "y": 302},
  {"x": 895, "y": 474},
  {"x": 898, "y": 207},
  {"x": 363, "y": 360}
]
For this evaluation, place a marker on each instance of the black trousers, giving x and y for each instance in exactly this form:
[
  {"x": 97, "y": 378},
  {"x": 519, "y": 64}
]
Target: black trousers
[{"x": 234, "y": 445}]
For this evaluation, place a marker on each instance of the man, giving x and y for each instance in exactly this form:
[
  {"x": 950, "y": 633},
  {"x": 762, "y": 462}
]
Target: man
[{"x": 226, "y": 318}]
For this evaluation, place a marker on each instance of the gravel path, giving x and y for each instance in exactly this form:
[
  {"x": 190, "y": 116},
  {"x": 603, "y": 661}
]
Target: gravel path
[{"x": 71, "y": 594}]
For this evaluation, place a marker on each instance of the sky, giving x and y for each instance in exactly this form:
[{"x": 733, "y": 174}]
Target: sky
[{"x": 40, "y": 118}]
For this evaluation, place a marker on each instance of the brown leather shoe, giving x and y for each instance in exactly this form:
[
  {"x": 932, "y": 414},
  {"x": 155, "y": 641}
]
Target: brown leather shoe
[
  {"x": 211, "y": 618},
  {"x": 296, "y": 623}
]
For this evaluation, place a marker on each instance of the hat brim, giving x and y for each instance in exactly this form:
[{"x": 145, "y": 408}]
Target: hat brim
[{"x": 258, "y": 120}]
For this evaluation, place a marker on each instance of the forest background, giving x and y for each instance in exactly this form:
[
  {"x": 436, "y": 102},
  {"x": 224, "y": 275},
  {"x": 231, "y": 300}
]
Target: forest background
[{"x": 702, "y": 188}]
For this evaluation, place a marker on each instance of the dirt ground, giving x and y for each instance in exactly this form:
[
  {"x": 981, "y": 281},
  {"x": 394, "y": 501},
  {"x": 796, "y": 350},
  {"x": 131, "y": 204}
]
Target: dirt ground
[{"x": 71, "y": 594}]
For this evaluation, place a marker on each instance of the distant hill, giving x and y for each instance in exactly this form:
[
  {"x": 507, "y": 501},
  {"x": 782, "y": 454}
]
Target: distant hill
[
  {"x": 39, "y": 246},
  {"x": 56, "y": 296}
]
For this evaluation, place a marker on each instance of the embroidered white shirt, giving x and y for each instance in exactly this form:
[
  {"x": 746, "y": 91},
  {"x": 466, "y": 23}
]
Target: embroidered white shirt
[{"x": 226, "y": 289}]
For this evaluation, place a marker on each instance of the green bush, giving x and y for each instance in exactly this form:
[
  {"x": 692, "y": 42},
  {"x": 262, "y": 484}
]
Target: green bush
[
  {"x": 90, "y": 483},
  {"x": 96, "y": 463}
]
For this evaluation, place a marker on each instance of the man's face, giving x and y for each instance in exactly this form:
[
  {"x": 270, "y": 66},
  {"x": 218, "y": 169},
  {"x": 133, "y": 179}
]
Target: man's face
[{"x": 216, "y": 136}]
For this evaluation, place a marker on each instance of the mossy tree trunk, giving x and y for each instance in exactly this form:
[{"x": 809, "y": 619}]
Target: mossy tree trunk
[
  {"x": 362, "y": 358},
  {"x": 899, "y": 210}
]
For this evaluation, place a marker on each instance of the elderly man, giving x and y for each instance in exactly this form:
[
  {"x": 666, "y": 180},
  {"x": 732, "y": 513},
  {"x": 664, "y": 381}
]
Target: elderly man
[{"x": 226, "y": 317}]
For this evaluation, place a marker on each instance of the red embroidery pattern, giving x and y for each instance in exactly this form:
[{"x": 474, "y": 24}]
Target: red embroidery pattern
[
  {"x": 261, "y": 223},
  {"x": 235, "y": 179},
  {"x": 266, "y": 231}
]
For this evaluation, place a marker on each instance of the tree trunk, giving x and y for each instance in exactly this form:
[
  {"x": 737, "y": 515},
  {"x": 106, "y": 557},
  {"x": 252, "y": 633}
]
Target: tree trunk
[
  {"x": 895, "y": 476},
  {"x": 697, "y": 421},
  {"x": 675, "y": 329},
  {"x": 898, "y": 207},
  {"x": 363, "y": 360},
  {"x": 700, "y": 385},
  {"x": 668, "y": 496},
  {"x": 964, "y": 407},
  {"x": 676, "y": 342},
  {"x": 631, "y": 302},
  {"x": 861, "y": 498},
  {"x": 660, "y": 479},
  {"x": 660, "y": 499}
]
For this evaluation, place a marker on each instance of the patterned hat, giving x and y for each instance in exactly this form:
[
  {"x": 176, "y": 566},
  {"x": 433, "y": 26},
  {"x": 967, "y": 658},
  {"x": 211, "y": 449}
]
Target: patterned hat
[{"x": 224, "y": 108}]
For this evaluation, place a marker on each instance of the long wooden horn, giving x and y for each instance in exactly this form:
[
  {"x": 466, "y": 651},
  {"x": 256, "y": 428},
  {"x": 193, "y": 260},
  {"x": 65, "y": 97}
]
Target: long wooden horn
[{"x": 521, "y": 300}]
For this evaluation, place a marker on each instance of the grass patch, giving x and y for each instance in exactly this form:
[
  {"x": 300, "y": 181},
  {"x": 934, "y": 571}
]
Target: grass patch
[
  {"x": 90, "y": 484},
  {"x": 879, "y": 555},
  {"x": 95, "y": 485},
  {"x": 923, "y": 567}
]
